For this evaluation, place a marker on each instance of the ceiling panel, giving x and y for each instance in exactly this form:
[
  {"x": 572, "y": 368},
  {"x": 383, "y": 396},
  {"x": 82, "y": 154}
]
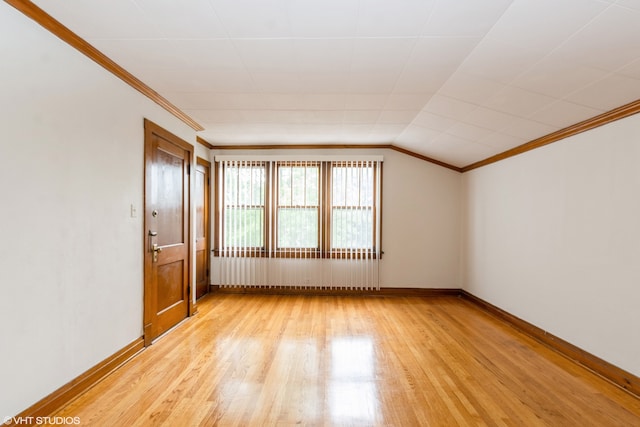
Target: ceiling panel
[
  {"x": 558, "y": 76},
  {"x": 323, "y": 55},
  {"x": 453, "y": 80},
  {"x": 464, "y": 18},
  {"x": 277, "y": 82},
  {"x": 528, "y": 23},
  {"x": 518, "y": 102},
  {"x": 449, "y": 107},
  {"x": 397, "y": 116},
  {"x": 407, "y": 101},
  {"x": 488, "y": 118},
  {"x": 402, "y": 18},
  {"x": 360, "y": 116},
  {"x": 527, "y": 129},
  {"x": 608, "y": 93},
  {"x": 633, "y": 4},
  {"x": 104, "y": 19},
  {"x": 434, "y": 121},
  {"x": 632, "y": 70},
  {"x": 306, "y": 101},
  {"x": 563, "y": 113},
  {"x": 469, "y": 88},
  {"x": 468, "y": 132},
  {"x": 368, "y": 82},
  {"x": 267, "y": 55},
  {"x": 222, "y": 101},
  {"x": 250, "y": 18},
  {"x": 501, "y": 141},
  {"x": 326, "y": 19},
  {"x": 499, "y": 61},
  {"x": 365, "y": 101},
  {"x": 416, "y": 137},
  {"x": 609, "y": 42},
  {"x": 384, "y": 55},
  {"x": 201, "y": 21},
  {"x": 324, "y": 82}
]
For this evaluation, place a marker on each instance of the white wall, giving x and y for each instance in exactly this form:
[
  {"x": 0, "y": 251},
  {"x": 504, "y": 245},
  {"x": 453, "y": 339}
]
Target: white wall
[
  {"x": 421, "y": 216},
  {"x": 71, "y": 164},
  {"x": 553, "y": 237},
  {"x": 420, "y": 224}
]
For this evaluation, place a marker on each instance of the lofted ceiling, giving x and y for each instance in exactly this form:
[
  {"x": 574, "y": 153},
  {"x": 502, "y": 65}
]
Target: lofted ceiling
[{"x": 454, "y": 80}]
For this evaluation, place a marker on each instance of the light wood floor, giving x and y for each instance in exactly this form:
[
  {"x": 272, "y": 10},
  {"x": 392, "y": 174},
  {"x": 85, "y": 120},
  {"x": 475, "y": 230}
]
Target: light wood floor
[{"x": 248, "y": 360}]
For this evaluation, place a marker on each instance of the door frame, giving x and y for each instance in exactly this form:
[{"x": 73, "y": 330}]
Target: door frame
[
  {"x": 152, "y": 130},
  {"x": 200, "y": 162}
]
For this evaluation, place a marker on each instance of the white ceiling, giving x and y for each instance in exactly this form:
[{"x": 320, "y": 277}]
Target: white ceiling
[{"x": 455, "y": 80}]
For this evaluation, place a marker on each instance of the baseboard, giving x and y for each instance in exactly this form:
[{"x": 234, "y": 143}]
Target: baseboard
[
  {"x": 612, "y": 373},
  {"x": 70, "y": 391},
  {"x": 300, "y": 290}
]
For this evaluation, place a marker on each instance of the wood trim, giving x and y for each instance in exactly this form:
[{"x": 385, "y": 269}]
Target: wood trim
[
  {"x": 74, "y": 388},
  {"x": 425, "y": 158},
  {"x": 165, "y": 134},
  {"x": 65, "y": 34},
  {"x": 207, "y": 216},
  {"x": 204, "y": 142},
  {"x": 294, "y": 290},
  {"x": 215, "y": 205},
  {"x": 297, "y": 146},
  {"x": 617, "y": 376},
  {"x": 583, "y": 126},
  {"x": 334, "y": 146}
]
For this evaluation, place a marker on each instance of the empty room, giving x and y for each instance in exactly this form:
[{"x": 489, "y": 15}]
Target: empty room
[{"x": 306, "y": 212}]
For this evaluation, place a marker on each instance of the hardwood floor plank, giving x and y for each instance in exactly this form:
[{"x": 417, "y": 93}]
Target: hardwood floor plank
[{"x": 350, "y": 360}]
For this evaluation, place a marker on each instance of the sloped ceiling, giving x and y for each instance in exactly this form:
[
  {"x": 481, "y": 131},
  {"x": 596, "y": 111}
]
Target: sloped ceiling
[{"x": 455, "y": 80}]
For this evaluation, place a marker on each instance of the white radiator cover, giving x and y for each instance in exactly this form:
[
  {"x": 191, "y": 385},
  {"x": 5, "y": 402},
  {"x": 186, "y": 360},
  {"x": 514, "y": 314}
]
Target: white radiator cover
[{"x": 298, "y": 273}]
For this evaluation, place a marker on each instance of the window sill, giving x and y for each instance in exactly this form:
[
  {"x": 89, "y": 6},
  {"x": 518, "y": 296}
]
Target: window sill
[{"x": 298, "y": 254}]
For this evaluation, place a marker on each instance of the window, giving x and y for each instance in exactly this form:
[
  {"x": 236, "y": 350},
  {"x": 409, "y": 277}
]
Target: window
[
  {"x": 352, "y": 206},
  {"x": 298, "y": 208},
  {"x": 244, "y": 205}
]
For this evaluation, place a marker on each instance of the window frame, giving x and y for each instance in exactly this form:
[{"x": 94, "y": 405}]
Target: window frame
[
  {"x": 294, "y": 252},
  {"x": 350, "y": 253},
  {"x": 325, "y": 208},
  {"x": 244, "y": 251}
]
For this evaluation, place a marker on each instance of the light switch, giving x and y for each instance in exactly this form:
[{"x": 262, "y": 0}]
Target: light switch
[{"x": 134, "y": 212}]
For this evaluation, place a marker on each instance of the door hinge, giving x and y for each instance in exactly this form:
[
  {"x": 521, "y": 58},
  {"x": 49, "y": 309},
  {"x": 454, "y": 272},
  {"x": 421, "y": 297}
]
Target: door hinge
[
  {"x": 188, "y": 289},
  {"x": 207, "y": 272},
  {"x": 189, "y": 169}
]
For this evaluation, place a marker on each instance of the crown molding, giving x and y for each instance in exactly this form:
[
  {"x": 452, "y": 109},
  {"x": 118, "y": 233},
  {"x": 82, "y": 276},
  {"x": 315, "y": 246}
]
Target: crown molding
[
  {"x": 425, "y": 158},
  {"x": 204, "y": 142},
  {"x": 583, "y": 126},
  {"x": 296, "y": 146},
  {"x": 65, "y": 34},
  {"x": 330, "y": 146}
]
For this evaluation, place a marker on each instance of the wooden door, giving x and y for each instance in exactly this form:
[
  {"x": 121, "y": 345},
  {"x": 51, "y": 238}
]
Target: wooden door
[
  {"x": 202, "y": 227},
  {"x": 167, "y": 231}
]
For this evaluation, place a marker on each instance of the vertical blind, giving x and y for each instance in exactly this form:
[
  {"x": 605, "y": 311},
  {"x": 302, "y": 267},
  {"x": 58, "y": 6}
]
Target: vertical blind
[{"x": 300, "y": 223}]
